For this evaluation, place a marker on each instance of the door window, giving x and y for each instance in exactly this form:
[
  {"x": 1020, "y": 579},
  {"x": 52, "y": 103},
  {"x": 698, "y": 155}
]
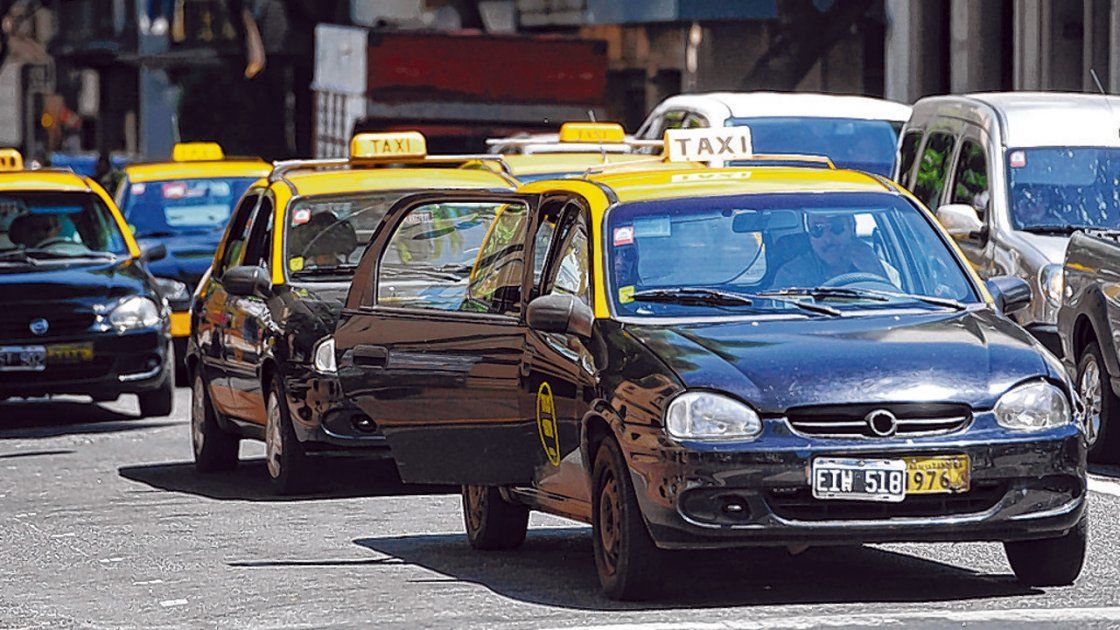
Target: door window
[
  {"x": 970, "y": 178},
  {"x": 237, "y": 235},
  {"x": 932, "y": 169},
  {"x": 495, "y": 281},
  {"x": 906, "y": 155},
  {"x": 428, "y": 260},
  {"x": 573, "y": 275}
]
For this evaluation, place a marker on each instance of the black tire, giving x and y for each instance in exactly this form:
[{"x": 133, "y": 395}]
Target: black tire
[
  {"x": 1050, "y": 561},
  {"x": 182, "y": 375},
  {"x": 1105, "y": 446},
  {"x": 627, "y": 560},
  {"x": 285, "y": 456},
  {"x": 158, "y": 402},
  {"x": 491, "y": 521},
  {"x": 215, "y": 450}
]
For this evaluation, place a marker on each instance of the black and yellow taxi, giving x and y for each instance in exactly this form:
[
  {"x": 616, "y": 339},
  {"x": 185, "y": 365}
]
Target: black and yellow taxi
[
  {"x": 690, "y": 357},
  {"x": 184, "y": 203},
  {"x": 260, "y": 355},
  {"x": 81, "y": 312}
]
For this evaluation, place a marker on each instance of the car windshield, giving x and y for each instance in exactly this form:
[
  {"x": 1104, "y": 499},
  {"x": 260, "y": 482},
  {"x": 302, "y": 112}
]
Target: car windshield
[
  {"x": 769, "y": 253},
  {"x": 172, "y": 207},
  {"x": 866, "y": 145},
  {"x": 1060, "y": 189},
  {"x": 45, "y": 225}
]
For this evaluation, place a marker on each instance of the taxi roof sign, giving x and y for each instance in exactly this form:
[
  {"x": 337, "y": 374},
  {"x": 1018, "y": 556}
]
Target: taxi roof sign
[
  {"x": 11, "y": 160},
  {"x": 708, "y": 145},
  {"x": 592, "y": 132},
  {"x": 197, "y": 152},
  {"x": 394, "y": 145}
]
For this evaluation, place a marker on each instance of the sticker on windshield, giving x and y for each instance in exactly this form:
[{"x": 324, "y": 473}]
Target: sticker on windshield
[
  {"x": 646, "y": 227},
  {"x": 626, "y": 294},
  {"x": 137, "y": 189},
  {"x": 176, "y": 190},
  {"x": 301, "y": 216},
  {"x": 1017, "y": 159},
  {"x": 295, "y": 263},
  {"x": 624, "y": 235},
  {"x": 546, "y": 424}
]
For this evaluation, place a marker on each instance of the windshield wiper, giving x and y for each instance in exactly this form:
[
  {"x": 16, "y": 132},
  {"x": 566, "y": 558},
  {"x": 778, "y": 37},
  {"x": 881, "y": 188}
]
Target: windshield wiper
[
  {"x": 866, "y": 294},
  {"x": 715, "y": 297},
  {"x": 17, "y": 255},
  {"x": 157, "y": 234},
  {"x": 47, "y": 253},
  {"x": 1063, "y": 230}
]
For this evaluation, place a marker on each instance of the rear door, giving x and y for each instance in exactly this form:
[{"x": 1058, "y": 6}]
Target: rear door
[{"x": 431, "y": 342}]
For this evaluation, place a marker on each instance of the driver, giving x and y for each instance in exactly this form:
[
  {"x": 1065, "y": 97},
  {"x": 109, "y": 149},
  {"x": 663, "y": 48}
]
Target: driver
[
  {"x": 32, "y": 230},
  {"x": 1035, "y": 207},
  {"x": 325, "y": 241},
  {"x": 833, "y": 251}
]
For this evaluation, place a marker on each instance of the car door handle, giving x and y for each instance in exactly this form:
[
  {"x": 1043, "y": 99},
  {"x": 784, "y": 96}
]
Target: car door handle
[{"x": 371, "y": 356}]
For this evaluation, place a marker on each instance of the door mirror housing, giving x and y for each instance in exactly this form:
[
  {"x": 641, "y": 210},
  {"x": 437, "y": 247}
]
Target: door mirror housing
[
  {"x": 1011, "y": 293},
  {"x": 960, "y": 220},
  {"x": 560, "y": 314},
  {"x": 153, "y": 252},
  {"x": 246, "y": 280}
]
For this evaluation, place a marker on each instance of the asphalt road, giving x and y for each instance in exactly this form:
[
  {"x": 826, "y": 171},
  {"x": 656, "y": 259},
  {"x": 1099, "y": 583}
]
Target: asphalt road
[{"x": 104, "y": 523}]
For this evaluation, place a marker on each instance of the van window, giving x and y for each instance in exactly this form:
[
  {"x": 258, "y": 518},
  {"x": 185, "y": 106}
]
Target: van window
[
  {"x": 906, "y": 155},
  {"x": 970, "y": 178},
  {"x": 932, "y": 169}
]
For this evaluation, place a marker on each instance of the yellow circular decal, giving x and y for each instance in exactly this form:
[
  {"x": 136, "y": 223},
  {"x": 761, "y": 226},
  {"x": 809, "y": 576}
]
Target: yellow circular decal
[{"x": 546, "y": 424}]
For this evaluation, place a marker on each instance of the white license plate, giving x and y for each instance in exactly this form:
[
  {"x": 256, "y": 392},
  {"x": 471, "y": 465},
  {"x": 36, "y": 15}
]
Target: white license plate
[
  {"x": 23, "y": 358},
  {"x": 859, "y": 479}
]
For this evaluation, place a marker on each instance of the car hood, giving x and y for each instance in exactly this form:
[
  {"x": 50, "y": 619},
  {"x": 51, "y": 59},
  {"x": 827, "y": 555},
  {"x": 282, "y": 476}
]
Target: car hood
[
  {"x": 94, "y": 280},
  {"x": 1051, "y": 248},
  {"x": 969, "y": 357}
]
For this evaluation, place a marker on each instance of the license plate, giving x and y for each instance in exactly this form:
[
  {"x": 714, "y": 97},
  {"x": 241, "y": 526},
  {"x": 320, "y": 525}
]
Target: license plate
[
  {"x": 888, "y": 480},
  {"x": 23, "y": 358},
  {"x": 70, "y": 353}
]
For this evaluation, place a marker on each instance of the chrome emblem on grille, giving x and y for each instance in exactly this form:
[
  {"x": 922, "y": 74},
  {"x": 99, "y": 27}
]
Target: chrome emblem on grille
[
  {"x": 882, "y": 422},
  {"x": 39, "y": 326}
]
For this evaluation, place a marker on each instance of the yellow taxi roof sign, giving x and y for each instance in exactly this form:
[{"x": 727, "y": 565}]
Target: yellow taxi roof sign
[
  {"x": 395, "y": 145},
  {"x": 197, "y": 152},
  {"x": 592, "y": 132},
  {"x": 11, "y": 160},
  {"x": 708, "y": 145}
]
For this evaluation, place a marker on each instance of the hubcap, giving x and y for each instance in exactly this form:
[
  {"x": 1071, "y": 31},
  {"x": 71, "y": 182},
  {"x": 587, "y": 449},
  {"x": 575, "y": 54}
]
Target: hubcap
[
  {"x": 273, "y": 438},
  {"x": 198, "y": 414},
  {"x": 609, "y": 522},
  {"x": 1089, "y": 388}
]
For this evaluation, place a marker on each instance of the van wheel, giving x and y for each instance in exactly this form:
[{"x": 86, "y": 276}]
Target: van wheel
[
  {"x": 1050, "y": 561},
  {"x": 626, "y": 558},
  {"x": 285, "y": 455},
  {"x": 158, "y": 403},
  {"x": 1101, "y": 406},
  {"x": 214, "y": 449},
  {"x": 492, "y": 522}
]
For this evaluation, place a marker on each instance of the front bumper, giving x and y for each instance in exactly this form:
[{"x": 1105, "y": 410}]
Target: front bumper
[
  {"x": 324, "y": 419},
  {"x": 1022, "y": 487},
  {"x": 126, "y": 363}
]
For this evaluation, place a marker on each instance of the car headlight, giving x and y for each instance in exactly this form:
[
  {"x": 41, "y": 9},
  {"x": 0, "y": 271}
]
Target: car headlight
[
  {"x": 172, "y": 290},
  {"x": 134, "y": 312},
  {"x": 1033, "y": 407},
  {"x": 1051, "y": 279},
  {"x": 706, "y": 416},
  {"x": 324, "y": 356}
]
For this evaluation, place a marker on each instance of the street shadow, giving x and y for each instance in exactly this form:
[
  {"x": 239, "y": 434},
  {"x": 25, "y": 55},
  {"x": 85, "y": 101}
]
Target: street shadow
[
  {"x": 31, "y": 419},
  {"x": 335, "y": 478},
  {"x": 1105, "y": 470},
  {"x": 555, "y": 568},
  {"x": 22, "y": 454}
]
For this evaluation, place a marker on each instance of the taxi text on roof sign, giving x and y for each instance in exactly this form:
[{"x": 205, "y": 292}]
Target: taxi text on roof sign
[
  {"x": 381, "y": 146},
  {"x": 591, "y": 132},
  {"x": 706, "y": 145},
  {"x": 197, "y": 152},
  {"x": 10, "y": 160}
]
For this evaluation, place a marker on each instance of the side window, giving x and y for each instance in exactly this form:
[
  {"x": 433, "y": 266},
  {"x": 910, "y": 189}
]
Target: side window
[
  {"x": 542, "y": 242},
  {"x": 932, "y": 169},
  {"x": 495, "y": 281},
  {"x": 573, "y": 275},
  {"x": 906, "y": 156},
  {"x": 259, "y": 244},
  {"x": 674, "y": 119},
  {"x": 970, "y": 178},
  {"x": 236, "y": 235},
  {"x": 428, "y": 260},
  {"x": 695, "y": 121}
]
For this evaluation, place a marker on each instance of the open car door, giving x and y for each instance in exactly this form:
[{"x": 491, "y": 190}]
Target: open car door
[{"x": 430, "y": 344}]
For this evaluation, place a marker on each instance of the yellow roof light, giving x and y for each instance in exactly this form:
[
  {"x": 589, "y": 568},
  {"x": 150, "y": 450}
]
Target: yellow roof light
[
  {"x": 389, "y": 146},
  {"x": 592, "y": 132},
  {"x": 10, "y": 160},
  {"x": 197, "y": 152}
]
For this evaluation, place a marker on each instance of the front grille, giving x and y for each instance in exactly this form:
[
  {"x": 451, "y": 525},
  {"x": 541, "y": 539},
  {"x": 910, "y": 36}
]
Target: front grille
[
  {"x": 849, "y": 421},
  {"x": 801, "y": 506},
  {"x": 59, "y": 324}
]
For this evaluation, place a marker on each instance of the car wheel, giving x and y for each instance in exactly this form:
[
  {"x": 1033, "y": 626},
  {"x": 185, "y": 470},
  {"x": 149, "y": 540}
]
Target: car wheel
[
  {"x": 158, "y": 402},
  {"x": 627, "y": 560},
  {"x": 1050, "y": 561},
  {"x": 1101, "y": 406},
  {"x": 492, "y": 522},
  {"x": 214, "y": 449},
  {"x": 182, "y": 376},
  {"x": 285, "y": 455}
]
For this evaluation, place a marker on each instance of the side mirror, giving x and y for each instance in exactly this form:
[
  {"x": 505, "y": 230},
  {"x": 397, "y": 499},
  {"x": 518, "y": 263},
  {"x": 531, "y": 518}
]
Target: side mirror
[
  {"x": 246, "y": 280},
  {"x": 960, "y": 220},
  {"x": 560, "y": 314},
  {"x": 1010, "y": 293},
  {"x": 154, "y": 252}
]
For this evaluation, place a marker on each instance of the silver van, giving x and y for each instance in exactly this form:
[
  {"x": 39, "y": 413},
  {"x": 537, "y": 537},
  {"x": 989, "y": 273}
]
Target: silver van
[{"x": 1012, "y": 176}]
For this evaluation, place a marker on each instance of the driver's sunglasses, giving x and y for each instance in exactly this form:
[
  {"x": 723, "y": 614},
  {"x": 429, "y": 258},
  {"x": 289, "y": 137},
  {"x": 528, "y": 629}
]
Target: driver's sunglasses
[{"x": 837, "y": 226}]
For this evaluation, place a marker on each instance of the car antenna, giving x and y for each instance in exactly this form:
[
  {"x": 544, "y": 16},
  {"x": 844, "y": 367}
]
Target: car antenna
[
  {"x": 1100, "y": 88},
  {"x": 602, "y": 149}
]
